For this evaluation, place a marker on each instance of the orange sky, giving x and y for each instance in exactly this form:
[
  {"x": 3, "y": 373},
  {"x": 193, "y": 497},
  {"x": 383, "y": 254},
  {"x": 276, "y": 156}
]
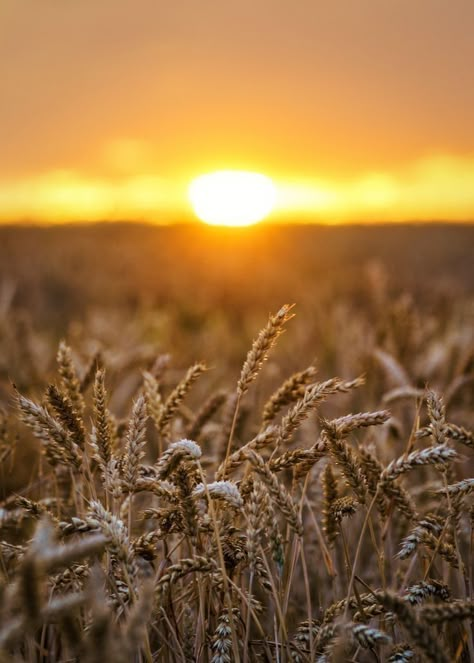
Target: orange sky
[{"x": 357, "y": 109}]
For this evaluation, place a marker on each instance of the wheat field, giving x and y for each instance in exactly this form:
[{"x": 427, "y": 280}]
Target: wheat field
[{"x": 270, "y": 459}]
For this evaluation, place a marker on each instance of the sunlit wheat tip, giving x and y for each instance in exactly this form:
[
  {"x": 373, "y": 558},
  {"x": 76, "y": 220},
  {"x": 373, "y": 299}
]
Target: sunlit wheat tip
[
  {"x": 418, "y": 593},
  {"x": 440, "y": 454},
  {"x": 367, "y": 636},
  {"x": 431, "y": 524},
  {"x": 351, "y": 422},
  {"x": 69, "y": 377},
  {"x": 461, "y": 488},
  {"x": 262, "y": 346},
  {"x": 224, "y": 490},
  {"x": 135, "y": 443},
  {"x": 187, "y": 446},
  {"x": 172, "y": 457},
  {"x": 289, "y": 392}
]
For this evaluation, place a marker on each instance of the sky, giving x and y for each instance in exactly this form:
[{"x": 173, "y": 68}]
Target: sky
[{"x": 358, "y": 110}]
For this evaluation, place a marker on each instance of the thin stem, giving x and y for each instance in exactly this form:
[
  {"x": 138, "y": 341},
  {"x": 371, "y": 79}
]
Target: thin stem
[
  {"x": 324, "y": 549},
  {"x": 247, "y": 621},
  {"x": 349, "y": 570},
  {"x": 232, "y": 429},
  {"x": 308, "y": 598},
  {"x": 358, "y": 551},
  {"x": 235, "y": 649},
  {"x": 379, "y": 553}
]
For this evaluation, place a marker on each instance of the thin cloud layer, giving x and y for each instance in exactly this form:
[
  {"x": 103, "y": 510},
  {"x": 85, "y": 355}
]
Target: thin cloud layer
[{"x": 436, "y": 188}]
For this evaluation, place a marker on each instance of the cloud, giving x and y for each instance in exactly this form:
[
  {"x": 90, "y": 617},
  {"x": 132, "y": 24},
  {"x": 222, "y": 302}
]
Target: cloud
[
  {"x": 127, "y": 156},
  {"x": 435, "y": 188},
  {"x": 66, "y": 195}
]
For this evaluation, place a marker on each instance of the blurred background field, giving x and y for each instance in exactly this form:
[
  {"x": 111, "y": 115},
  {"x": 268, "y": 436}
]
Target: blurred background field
[
  {"x": 206, "y": 290},
  {"x": 201, "y": 292},
  {"x": 60, "y": 274}
]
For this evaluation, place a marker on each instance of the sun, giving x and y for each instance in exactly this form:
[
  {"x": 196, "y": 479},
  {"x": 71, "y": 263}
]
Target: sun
[{"x": 232, "y": 197}]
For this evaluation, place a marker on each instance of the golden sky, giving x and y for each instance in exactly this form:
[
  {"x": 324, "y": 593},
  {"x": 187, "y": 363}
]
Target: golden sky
[{"x": 359, "y": 110}]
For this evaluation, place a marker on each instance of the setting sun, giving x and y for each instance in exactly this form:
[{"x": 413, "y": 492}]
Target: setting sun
[{"x": 232, "y": 198}]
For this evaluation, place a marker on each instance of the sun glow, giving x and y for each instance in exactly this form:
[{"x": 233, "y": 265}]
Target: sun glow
[
  {"x": 435, "y": 188},
  {"x": 232, "y": 197}
]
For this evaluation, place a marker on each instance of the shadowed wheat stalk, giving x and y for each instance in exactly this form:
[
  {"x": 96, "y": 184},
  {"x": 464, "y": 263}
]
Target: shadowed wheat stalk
[{"x": 321, "y": 536}]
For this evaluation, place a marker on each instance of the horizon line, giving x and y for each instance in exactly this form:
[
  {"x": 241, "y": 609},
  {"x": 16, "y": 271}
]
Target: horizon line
[{"x": 196, "y": 223}]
